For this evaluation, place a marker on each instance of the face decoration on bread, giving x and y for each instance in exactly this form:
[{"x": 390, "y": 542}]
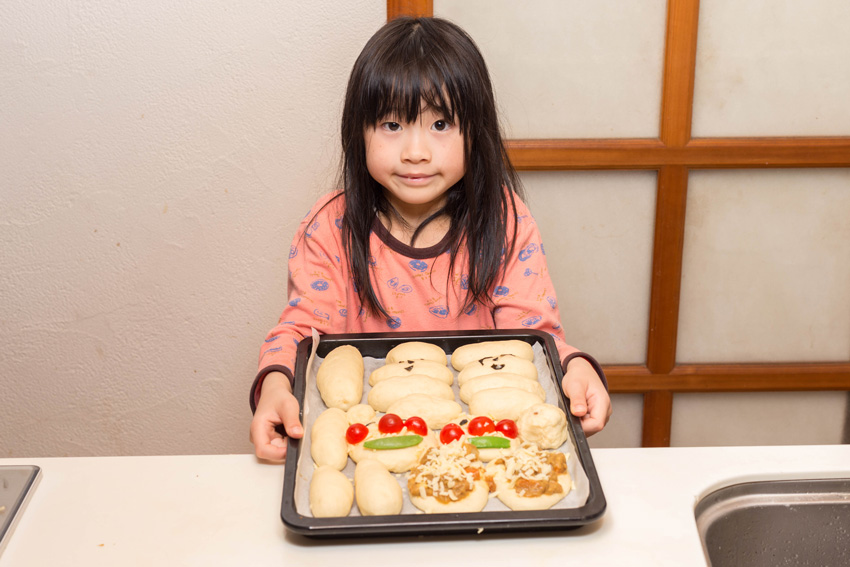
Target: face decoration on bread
[{"x": 395, "y": 442}]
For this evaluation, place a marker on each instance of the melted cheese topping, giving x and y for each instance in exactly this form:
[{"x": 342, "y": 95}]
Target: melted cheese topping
[
  {"x": 446, "y": 472},
  {"x": 528, "y": 462}
]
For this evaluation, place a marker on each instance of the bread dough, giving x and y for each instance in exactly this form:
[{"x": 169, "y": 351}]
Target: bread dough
[
  {"x": 535, "y": 467},
  {"x": 415, "y": 350},
  {"x": 340, "y": 377},
  {"x": 442, "y": 483},
  {"x": 331, "y": 493},
  {"x": 396, "y": 460},
  {"x": 435, "y": 411},
  {"x": 544, "y": 425},
  {"x": 376, "y": 490},
  {"x": 419, "y": 367},
  {"x": 468, "y": 353},
  {"x": 361, "y": 413},
  {"x": 327, "y": 439},
  {"x": 502, "y": 403},
  {"x": 500, "y": 380},
  {"x": 504, "y": 363},
  {"x": 389, "y": 391}
]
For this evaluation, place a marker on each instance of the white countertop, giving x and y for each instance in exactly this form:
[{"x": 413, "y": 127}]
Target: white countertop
[{"x": 225, "y": 510}]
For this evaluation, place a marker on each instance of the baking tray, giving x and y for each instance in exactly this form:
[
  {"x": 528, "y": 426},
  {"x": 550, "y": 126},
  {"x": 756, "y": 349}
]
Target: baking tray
[{"x": 376, "y": 345}]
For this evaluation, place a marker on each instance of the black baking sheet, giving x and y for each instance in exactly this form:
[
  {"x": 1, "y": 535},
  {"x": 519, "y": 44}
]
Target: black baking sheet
[{"x": 377, "y": 345}]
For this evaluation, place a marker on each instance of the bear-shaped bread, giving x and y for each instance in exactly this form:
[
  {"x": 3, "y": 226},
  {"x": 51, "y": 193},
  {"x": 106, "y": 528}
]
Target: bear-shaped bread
[
  {"x": 530, "y": 479},
  {"x": 376, "y": 490},
  {"x": 419, "y": 367},
  {"x": 472, "y": 352},
  {"x": 327, "y": 439},
  {"x": 331, "y": 493},
  {"x": 507, "y": 363},
  {"x": 502, "y": 403},
  {"x": 544, "y": 425},
  {"x": 500, "y": 380},
  {"x": 415, "y": 350},
  {"x": 340, "y": 377},
  {"x": 448, "y": 479},
  {"x": 436, "y": 412},
  {"x": 387, "y": 392}
]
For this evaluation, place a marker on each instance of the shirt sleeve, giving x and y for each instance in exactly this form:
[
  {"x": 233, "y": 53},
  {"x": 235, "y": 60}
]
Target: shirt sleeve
[{"x": 316, "y": 292}]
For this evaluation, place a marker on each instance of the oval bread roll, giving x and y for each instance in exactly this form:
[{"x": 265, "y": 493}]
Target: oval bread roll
[
  {"x": 327, "y": 439},
  {"x": 502, "y": 403},
  {"x": 419, "y": 367},
  {"x": 505, "y": 363},
  {"x": 389, "y": 391},
  {"x": 500, "y": 380},
  {"x": 376, "y": 490},
  {"x": 331, "y": 493},
  {"x": 473, "y": 352},
  {"x": 415, "y": 350},
  {"x": 396, "y": 460},
  {"x": 435, "y": 411},
  {"x": 340, "y": 377},
  {"x": 361, "y": 413},
  {"x": 544, "y": 425}
]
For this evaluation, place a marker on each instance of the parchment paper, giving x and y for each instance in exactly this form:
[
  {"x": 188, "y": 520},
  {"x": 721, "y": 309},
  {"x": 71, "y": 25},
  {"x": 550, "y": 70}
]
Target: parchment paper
[{"x": 313, "y": 406}]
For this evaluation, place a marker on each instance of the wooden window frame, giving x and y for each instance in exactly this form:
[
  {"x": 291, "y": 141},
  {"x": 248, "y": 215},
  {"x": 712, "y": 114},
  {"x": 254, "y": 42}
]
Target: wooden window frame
[{"x": 673, "y": 155}]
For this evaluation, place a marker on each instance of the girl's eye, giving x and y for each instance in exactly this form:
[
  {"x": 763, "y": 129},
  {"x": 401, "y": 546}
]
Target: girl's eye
[
  {"x": 441, "y": 125},
  {"x": 391, "y": 126}
]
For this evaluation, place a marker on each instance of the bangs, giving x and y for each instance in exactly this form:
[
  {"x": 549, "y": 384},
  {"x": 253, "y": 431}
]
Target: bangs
[{"x": 406, "y": 96}]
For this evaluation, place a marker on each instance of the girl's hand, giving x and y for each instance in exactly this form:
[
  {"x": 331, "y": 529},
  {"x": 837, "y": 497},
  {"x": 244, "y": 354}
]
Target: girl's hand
[
  {"x": 277, "y": 406},
  {"x": 589, "y": 399}
]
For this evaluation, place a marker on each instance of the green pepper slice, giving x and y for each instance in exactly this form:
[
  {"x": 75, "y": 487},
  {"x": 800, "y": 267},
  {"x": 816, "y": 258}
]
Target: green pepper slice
[
  {"x": 397, "y": 442},
  {"x": 489, "y": 442}
]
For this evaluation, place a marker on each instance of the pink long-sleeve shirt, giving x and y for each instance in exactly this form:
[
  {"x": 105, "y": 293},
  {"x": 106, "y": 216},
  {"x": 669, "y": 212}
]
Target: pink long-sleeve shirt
[{"x": 411, "y": 283}]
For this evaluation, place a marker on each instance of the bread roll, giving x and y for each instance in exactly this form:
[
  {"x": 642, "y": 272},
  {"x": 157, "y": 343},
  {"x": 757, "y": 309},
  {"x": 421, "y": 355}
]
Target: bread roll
[
  {"x": 415, "y": 350},
  {"x": 544, "y": 425},
  {"x": 435, "y": 411},
  {"x": 502, "y": 403},
  {"x": 331, "y": 493},
  {"x": 442, "y": 481},
  {"x": 473, "y": 352},
  {"x": 376, "y": 490},
  {"x": 507, "y": 363},
  {"x": 541, "y": 471},
  {"x": 340, "y": 377},
  {"x": 327, "y": 439},
  {"x": 396, "y": 460},
  {"x": 419, "y": 367},
  {"x": 389, "y": 391},
  {"x": 500, "y": 380},
  {"x": 361, "y": 413}
]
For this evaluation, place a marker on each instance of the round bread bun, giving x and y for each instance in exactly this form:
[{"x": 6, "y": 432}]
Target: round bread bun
[
  {"x": 495, "y": 364},
  {"x": 509, "y": 496},
  {"x": 396, "y": 460},
  {"x": 472, "y": 352},
  {"x": 475, "y": 501},
  {"x": 545, "y": 425},
  {"x": 506, "y": 472},
  {"x": 361, "y": 413},
  {"x": 419, "y": 367},
  {"x": 500, "y": 380},
  {"x": 415, "y": 350}
]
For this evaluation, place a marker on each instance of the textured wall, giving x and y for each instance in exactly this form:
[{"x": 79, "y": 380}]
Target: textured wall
[{"x": 155, "y": 159}]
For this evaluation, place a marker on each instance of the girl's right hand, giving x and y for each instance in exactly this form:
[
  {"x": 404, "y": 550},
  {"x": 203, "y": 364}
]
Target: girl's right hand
[{"x": 277, "y": 406}]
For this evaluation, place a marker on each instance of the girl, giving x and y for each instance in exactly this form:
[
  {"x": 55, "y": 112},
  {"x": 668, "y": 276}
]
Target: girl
[{"x": 429, "y": 231}]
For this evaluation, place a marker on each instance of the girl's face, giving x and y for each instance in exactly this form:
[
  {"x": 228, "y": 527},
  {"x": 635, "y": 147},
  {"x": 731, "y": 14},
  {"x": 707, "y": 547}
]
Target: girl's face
[{"x": 415, "y": 162}]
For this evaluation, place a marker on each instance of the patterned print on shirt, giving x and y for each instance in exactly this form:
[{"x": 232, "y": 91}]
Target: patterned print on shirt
[
  {"x": 320, "y": 285},
  {"x": 393, "y": 322},
  {"x": 531, "y": 321},
  {"x": 552, "y": 303},
  {"x": 527, "y": 252},
  {"x": 440, "y": 311},
  {"x": 393, "y": 284},
  {"x": 501, "y": 291},
  {"x": 418, "y": 265}
]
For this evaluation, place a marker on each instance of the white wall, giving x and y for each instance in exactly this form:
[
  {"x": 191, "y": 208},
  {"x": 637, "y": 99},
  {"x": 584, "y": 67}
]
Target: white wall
[{"x": 155, "y": 159}]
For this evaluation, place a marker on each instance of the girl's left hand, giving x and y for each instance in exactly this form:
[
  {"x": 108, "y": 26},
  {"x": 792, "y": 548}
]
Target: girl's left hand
[{"x": 589, "y": 400}]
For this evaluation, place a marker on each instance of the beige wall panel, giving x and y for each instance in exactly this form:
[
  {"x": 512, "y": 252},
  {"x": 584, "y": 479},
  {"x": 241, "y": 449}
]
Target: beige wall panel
[
  {"x": 767, "y": 68},
  {"x": 758, "y": 418},
  {"x": 766, "y": 268},
  {"x": 625, "y": 427},
  {"x": 570, "y": 68},
  {"x": 597, "y": 228}
]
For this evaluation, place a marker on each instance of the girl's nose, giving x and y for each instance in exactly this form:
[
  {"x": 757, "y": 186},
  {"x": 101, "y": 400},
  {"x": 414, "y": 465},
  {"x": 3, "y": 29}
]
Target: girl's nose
[{"x": 416, "y": 148}]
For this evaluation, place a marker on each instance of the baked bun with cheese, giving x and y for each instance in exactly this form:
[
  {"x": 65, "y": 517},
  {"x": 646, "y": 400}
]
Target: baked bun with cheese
[
  {"x": 530, "y": 479},
  {"x": 448, "y": 479}
]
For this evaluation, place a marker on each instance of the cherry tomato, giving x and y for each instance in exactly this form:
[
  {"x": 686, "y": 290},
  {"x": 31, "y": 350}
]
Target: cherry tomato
[
  {"x": 416, "y": 425},
  {"x": 507, "y": 427},
  {"x": 390, "y": 423},
  {"x": 450, "y": 432},
  {"x": 480, "y": 425},
  {"x": 356, "y": 433}
]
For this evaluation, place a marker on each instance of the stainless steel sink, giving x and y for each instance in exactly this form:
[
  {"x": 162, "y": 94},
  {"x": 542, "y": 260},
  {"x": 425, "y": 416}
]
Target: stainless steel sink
[{"x": 789, "y": 522}]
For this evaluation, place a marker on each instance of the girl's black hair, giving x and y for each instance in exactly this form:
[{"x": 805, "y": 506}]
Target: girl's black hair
[{"x": 411, "y": 63}]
